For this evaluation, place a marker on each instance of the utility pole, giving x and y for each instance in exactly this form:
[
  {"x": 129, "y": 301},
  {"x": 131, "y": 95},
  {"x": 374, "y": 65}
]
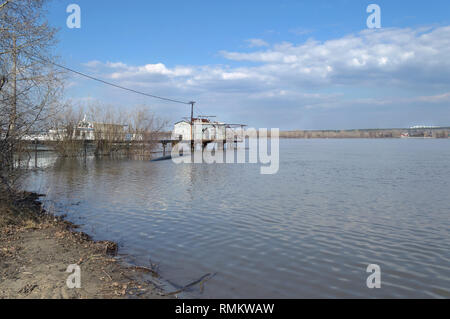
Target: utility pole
[
  {"x": 192, "y": 125},
  {"x": 12, "y": 120},
  {"x": 11, "y": 135}
]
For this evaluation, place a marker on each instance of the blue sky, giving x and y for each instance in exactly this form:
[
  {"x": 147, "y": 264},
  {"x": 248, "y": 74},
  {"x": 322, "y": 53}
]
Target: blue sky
[{"x": 287, "y": 64}]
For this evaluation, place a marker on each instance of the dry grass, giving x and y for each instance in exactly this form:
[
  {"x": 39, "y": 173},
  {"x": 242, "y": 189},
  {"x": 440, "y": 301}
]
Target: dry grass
[
  {"x": 36, "y": 248},
  {"x": 19, "y": 209}
]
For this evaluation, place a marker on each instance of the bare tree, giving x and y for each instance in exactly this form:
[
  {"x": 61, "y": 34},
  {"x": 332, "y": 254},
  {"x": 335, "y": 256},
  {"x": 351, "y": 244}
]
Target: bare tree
[
  {"x": 109, "y": 130},
  {"x": 2, "y": 81},
  {"x": 30, "y": 87},
  {"x": 3, "y": 78},
  {"x": 2, "y": 5}
]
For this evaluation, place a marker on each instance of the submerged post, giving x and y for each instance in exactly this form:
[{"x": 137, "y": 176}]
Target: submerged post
[
  {"x": 35, "y": 152},
  {"x": 192, "y": 125}
]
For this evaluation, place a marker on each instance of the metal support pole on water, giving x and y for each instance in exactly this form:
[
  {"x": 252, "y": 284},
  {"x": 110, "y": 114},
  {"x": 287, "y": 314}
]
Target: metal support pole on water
[
  {"x": 192, "y": 126},
  {"x": 35, "y": 152}
]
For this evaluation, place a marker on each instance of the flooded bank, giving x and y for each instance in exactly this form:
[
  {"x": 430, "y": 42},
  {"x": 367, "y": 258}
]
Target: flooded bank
[{"x": 311, "y": 230}]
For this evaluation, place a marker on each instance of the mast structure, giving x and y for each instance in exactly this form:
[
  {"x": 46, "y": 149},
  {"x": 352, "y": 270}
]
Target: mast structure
[{"x": 192, "y": 103}]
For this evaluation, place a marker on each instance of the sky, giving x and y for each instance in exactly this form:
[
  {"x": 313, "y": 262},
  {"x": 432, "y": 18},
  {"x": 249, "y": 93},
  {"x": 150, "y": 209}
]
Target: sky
[{"x": 268, "y": 64}]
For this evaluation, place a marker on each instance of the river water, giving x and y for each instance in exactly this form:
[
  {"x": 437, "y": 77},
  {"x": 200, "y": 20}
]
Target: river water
[{"x": 311, "y": 230}]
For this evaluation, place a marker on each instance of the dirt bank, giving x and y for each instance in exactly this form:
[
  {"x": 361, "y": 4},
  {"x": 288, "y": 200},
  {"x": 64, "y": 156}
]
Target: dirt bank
[{"x": 36, "y": 249}]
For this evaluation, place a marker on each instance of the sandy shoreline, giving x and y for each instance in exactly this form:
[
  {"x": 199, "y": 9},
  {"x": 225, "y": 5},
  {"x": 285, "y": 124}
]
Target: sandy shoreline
[{"x": 36, "y": 251}]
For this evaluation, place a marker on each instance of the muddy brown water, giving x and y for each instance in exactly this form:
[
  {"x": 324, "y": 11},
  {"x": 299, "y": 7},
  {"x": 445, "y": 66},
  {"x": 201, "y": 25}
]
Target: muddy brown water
[{"x": 311, "y": 230}]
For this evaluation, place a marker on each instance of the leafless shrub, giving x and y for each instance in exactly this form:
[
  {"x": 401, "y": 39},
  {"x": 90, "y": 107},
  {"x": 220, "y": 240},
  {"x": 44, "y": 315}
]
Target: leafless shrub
[
  {"x": 108, "y": 130},
  {"x": 30, "y": 87},
  {"x": 62, "y": 134}
]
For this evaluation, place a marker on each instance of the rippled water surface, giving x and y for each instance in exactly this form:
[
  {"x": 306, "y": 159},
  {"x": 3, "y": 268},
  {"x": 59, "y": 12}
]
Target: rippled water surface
[{"x": 311, "y": 230}]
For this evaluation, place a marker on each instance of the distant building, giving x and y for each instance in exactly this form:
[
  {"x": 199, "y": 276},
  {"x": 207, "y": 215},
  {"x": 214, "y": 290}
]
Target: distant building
[
  {"x": 86, "y": 130},
  {"x": 423, "y": 127},
  {"x": 202, "y": 129}
]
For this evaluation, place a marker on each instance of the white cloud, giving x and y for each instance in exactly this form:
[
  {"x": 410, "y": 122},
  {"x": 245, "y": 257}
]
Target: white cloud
[
  {"x": 120, "y": 70},
  {"x": 369, "y": 56},
  {"x": 300, "y": 31},
  {"x": 410, "y": 57},
  {"x": 116, "y": 65},
  {"x": 254, "y": 43},
  {"x": 92, "y": 64},
  {"x": 297, "y": 75}
]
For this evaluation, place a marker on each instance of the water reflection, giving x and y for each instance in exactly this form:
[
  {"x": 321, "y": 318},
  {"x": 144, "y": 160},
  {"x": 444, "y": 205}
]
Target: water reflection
[{"x": 309, "y": 231}]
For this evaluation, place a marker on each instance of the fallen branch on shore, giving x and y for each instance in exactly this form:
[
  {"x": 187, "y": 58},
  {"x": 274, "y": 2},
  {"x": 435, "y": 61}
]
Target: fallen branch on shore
[
  {"x": 81, "y": 261},
  {"x": 201, "y": 281},
  {"x": 153, "y": 272},
  {"x": 110, "y": 278}
]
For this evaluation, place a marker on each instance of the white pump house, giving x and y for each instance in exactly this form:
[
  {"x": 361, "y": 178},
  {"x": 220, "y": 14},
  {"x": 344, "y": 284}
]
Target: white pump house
[{"x": 202, "y": 130}]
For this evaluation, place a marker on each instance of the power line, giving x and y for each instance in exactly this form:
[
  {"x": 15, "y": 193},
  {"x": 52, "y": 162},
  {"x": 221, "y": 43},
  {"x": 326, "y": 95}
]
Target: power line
[{"x": 109, "y": 83}]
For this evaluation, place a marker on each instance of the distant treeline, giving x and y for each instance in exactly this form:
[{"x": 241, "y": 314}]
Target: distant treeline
[
  {"x": 368, "y": 133},
  {"x": 443, "y": 132}
]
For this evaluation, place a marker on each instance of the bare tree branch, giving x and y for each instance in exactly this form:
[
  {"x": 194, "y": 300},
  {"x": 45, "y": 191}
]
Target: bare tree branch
[
  {"x": 29, "y": 90},
  {"x": 4, "y": 4},
  {"x": 3, "y": 80}
]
